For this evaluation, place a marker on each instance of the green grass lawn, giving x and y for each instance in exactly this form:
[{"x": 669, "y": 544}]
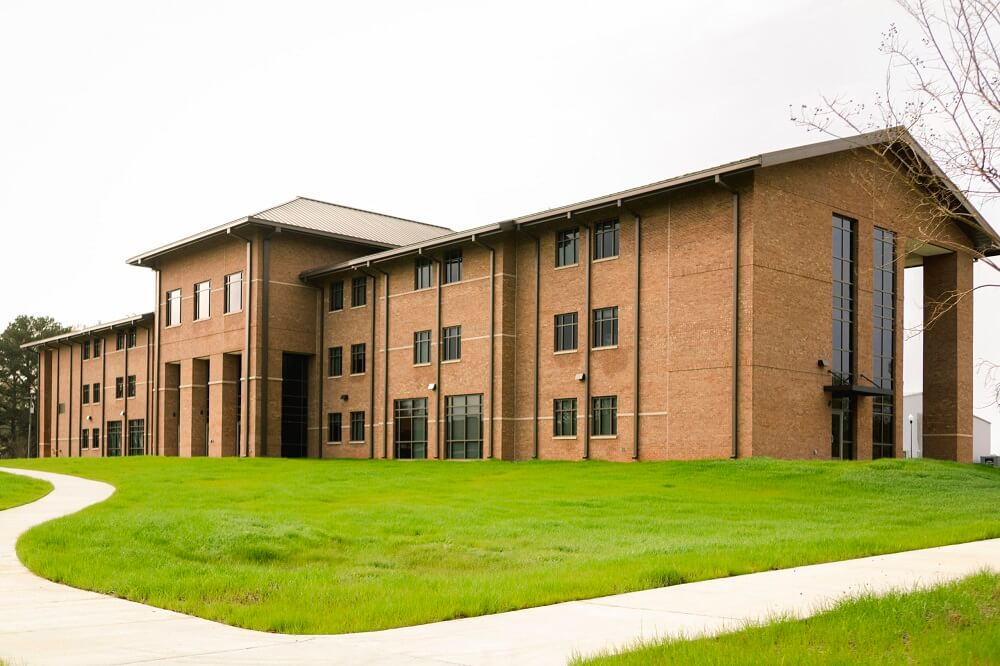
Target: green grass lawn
[
  {"x": 17, "y": 490},
  {"x": 308, "y": 546},
  {"x": 954, "y": 624}
]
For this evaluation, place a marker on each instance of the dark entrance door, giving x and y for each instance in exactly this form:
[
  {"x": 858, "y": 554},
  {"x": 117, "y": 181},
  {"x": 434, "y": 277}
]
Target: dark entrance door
[{"x": 294, "y": 401}]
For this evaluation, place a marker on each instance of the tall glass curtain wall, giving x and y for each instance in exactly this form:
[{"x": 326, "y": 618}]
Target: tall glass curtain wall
[{"x": 883, "y": 341}]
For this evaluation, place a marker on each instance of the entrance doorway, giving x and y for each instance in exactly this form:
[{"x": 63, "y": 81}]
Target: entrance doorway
[
  {"x": 410, "y": 428},
  {"x": 294, "y": 405},
  {"x": 842, "y": 430}
]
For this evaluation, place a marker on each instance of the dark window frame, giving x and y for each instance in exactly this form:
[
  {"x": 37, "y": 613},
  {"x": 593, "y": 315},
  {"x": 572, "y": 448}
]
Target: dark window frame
[
  {"x": 451, "y": 343},
  {"x": 607, "y": 239},
  {"x": 334, "y": 427},
  {"x": 359, "y": 291},
  {"x": 119, "y": 388},
  {"x": 605, "y": 327},
  {"x": 95, "y": 393},
  {"x": 844, "y": 253},
  {"x": 85, "y": 394},
  {"x": 566, "y": 328},
  {"x": 452, "y": 266},
  {"x": 130, "y": 386},
  {"x": 463, "y": 420},
  {"x": 85, "y": 350},
  {"x": 423, "y": 274},
  {"x": 410, "y": 430},
  {"x": 358, "y": 353},
  {"x": 568, "y": 247},
  {"x": 883, "y": 341},
  {"x": 422, "y": 347},
  {"x": 357, "y": 426},
  {"x": 604, "y": 416},
  {"x": 336, "y": 303},
  {"x": 335, "y": 361},
  {"x": 564, "y": 417},
  {"x": 84, "y": 438}
]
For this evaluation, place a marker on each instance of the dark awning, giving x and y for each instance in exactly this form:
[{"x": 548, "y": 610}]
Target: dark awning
[{"x": 855, "y": 389}]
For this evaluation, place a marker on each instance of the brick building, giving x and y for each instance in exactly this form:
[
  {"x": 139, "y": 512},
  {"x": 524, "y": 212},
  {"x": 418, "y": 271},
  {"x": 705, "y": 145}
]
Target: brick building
[{"x": 689, "y": 318}]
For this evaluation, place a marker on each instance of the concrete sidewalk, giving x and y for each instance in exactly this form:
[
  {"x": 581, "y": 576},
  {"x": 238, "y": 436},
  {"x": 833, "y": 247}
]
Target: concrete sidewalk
[{"x": 45, "y": 623}]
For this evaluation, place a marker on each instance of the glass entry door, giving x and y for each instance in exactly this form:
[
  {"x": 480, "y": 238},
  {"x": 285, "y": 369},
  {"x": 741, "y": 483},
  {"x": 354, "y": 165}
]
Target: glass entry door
[
  {"x": 841, "y": 430},
  {"x": 837, "y": 431},
  {"x": 410, "y": 428}
]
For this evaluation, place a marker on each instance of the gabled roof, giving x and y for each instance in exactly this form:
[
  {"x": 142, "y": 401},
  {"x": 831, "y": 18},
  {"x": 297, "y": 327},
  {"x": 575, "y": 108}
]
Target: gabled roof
[
  {"x": 983, "y": 235},
  {"x": 79, "y": 333},
  {"x": 320, "y": 218}
]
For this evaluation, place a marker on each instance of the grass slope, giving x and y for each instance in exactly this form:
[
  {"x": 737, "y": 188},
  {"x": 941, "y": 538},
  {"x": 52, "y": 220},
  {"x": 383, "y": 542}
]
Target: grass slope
[
  {"x": 953, "y": 624},
  {"x": 333, "y": 546},
  {"x": 17, "y": 490}
]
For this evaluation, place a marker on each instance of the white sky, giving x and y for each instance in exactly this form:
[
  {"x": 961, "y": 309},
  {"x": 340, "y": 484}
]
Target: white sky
[{"x": 125, "y": 125}]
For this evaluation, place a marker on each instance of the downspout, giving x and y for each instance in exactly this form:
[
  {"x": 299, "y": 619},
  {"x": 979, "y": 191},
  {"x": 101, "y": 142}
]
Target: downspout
[
  {"x": 371, "y": 383},
  {"x": 79, "y": 393},
  {"x": 125, "y": 430},
  {"x": 243, "y": 447},
  {"x": 734, "y": 394},
  {"x": 264, "y": 319},
  {"x": 58, "y": 382},
  {"x": 385, "y": 365},
  {"x": 148, "y": 421},
  {"x": 156, "y": 368},
  {"x": 538, "y": 273},
  {"x": 104, "y": 404},
  {"x": 637, "y": 336},
  {"x": 586, "y": 358},
  {"x": 437, "y": 359},
  {"x": 492, "y": 251}
]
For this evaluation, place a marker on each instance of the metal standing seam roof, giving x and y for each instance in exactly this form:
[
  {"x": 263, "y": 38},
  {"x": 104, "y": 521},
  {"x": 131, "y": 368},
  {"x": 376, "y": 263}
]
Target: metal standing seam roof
[
  {"x": 90, "y": 330},
  {"x": 323, "y": 219},
  {"x": 983, "y": 234}
]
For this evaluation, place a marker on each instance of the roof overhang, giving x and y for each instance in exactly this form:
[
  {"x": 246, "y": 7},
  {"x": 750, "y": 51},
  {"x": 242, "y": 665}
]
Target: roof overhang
[
  {"x": 70, "y": 336},
  {"x": 844, "y": 390}
]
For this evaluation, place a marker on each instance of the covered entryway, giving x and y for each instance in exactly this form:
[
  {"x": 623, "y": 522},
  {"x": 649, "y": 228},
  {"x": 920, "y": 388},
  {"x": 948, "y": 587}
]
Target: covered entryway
[{"x": 294, "y": 405}]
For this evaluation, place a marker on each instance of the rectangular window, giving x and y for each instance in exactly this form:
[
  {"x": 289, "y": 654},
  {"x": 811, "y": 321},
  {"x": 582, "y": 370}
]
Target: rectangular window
[
  {"x": 605, "y": 327},
  {"x": 95, "y": 438},
  {"x": 97, "y": 348},
  {"x": 86, "y": 350},
  {"x": 95, "y": 395},
  {"x": 843, "y": 300},
  {"x": 358, "y": 359},
  {"x": 136, "y": 437},
  {"x": 130, "y": 338},
  {"x": 451, "y": 343},
  {"x": 84, "y": 439},
  {"x": 85, "y": 397},
  {"x": 232, "y": 287},
  {"x": 114, "y": 438},
  {"x": 453, "y": 266},
  {"x": 335, "y": 361},
  {"x": 565, "y": 326},
  {"x": 421, "y": 347},
  {"x": 464, "y": 426},
  {"x": 422, "y": 273},
  {"x": 334, "y": 427},
  {"x": 202, "y": 300},
  {"x": 336, "y": 296},
  {"x": 359, "y": 291},
  {"x": 568, "y": 247},
  {"x": 357, "y": 426},
  {"x": 564, "y": 417},
  {"x": 604, "y": 412},
  {"x": 883, "y": 342},
  {"x": 173, "y": 307},
  {"x": 120, "y": 341},
  {"x": 130, "y": 384},
  {"x": 410, "y": 428},
  {"x": 606, "y": 239},
  {"x": 119, "y": 388}
]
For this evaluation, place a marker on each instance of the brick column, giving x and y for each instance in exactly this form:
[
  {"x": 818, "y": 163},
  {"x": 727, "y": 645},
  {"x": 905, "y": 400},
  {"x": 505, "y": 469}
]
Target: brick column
[
  {"x": 169, "y": 406},
  {"x": 224, "y": 372},
  {"x": 193, "y": 404},
  {"x": 948, "y": 360}
]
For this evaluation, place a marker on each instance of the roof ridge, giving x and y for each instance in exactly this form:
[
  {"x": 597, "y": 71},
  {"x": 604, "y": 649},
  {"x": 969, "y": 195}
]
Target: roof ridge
[{"x": 364, "y": 210}]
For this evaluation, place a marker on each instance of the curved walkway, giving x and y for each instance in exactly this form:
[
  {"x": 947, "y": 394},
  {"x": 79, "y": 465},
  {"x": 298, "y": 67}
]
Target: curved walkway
[{"x": 42, "y": 622}]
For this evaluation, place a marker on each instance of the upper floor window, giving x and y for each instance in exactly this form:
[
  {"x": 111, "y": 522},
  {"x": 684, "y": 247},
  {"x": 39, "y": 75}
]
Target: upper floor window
[
  {"x": 358, "y": 359},
  {"x": 202, "y": 300},
  {"x": 336, "y": 295},
  {"x": 335, "y": 362},
  {"x": 843, "y": 299},
  {"x": 96, "y": 393},
  {"x": 422, "y": 273},
  {"x": 565, "y": 326},
  {"x": 606, "y": 239},
  {"x": 130, "y": 386},
  {"x": 97, "y": 348},
  {"x": 568, "y": 247},
  {"x": 119, "y": 388},
  {"x": 173, "y": 307},
  {"x": 421, "y": 347},
  {"x": 453, "y": 266},
  {"x": 85, "y": 398},
  {"x": 86, "y": 349},
  {"x": 233, "y": 292},
  {"x": 120, "y": 341},
  {"x": 605, "y": 327},
  {"x": 359, "y": 291},
  {"x": 451, "y": 342},
  {"x": 130, "y": 338}
]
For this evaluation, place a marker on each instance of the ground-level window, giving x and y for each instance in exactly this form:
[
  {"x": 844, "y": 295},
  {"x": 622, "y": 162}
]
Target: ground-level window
[
  {"x": 421, "y": 347},
  {"x": 114, "y": 438},
  {"x": 95, "y": 438},
  {"x": 84, "y": 439},
  {"x": 357, "y": 426},
  {"x": 410, "y": 428},
  {"x": 605, "y": 327},
  {"x": 464, "y": 426},
  {"x": 334, "y": 427},
  {"x": 335, "y": 362},
  {"x": 564, "y": 417},
  {"x": 604, "y": 415},
  {"x": 136, "y": 437}
]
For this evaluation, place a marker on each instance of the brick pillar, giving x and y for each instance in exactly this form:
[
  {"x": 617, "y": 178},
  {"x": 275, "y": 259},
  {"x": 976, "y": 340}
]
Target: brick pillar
[
  {"x": 948, "y": 359},
  {"x": 224, "y": 372},
  {"x": 169, "y": 405},
  {"x": 193, "y": 407}
]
